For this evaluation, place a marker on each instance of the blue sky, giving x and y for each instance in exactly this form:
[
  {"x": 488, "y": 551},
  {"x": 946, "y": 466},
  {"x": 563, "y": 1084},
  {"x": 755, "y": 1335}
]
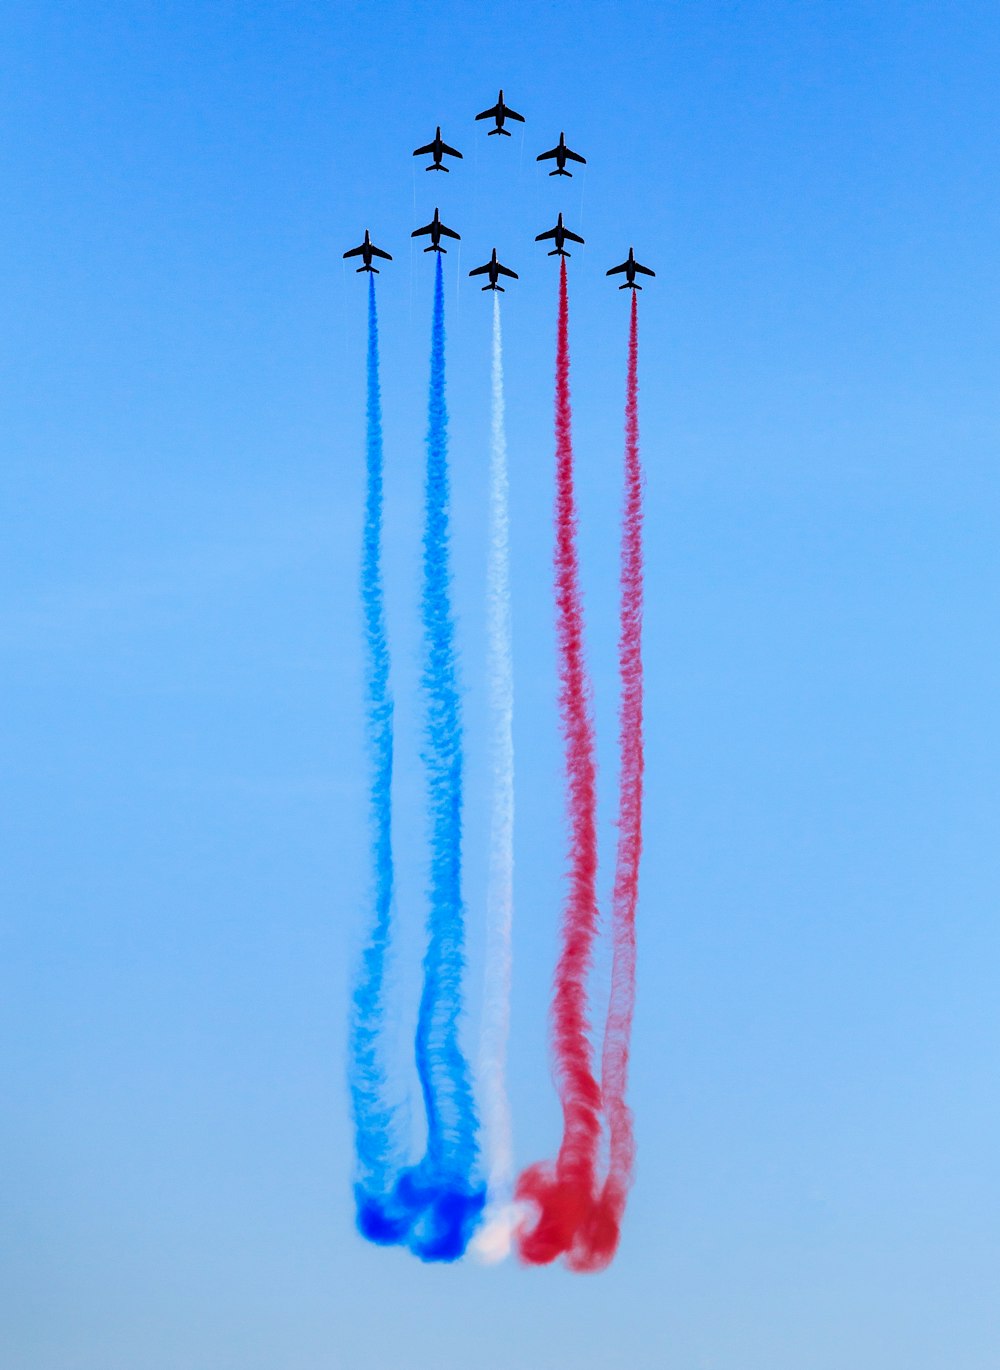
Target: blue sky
[{"x": 182, "y": 799}]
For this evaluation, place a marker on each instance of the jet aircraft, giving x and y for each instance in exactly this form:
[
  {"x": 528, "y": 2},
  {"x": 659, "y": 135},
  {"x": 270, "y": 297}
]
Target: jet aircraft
[
  {"x": 494, "y": 270},
  {"x": 435, "y": 228},
  {"x": 561, "y": 153},
  {"x": 437, "y": 149},
  {"x": 367, "y": 251},
  {"x": 560, "y": 233},
  {"x": 500, "y": 112},
  {"x": 630, "y": 266}
]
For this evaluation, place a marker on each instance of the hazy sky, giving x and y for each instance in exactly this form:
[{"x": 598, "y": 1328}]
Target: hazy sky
[{"x": 183, "y": 793}]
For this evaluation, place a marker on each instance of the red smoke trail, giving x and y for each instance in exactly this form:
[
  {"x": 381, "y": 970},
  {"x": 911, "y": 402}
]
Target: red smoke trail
[
  {"x": 603, "y": 1230},
  {"x": 572, "y": 1217},
  {"x": 563, "y": 1194}
]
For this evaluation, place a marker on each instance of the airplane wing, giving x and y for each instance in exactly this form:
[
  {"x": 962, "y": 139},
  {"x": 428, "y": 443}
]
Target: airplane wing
[
  {"x": 575, "y": 156},
  {"x": 550, "y": 234},
  {"x": 425, "y": 151},
  {"x": 544, "y": 156},
  {"x": 506, "y": 271},
  {"x": 355, "y": 251},
  {"x": 452, "y": 151},
  {"x": 449, "y": 232},
  {"x": 418, "y": 232},
  {"x": 645, "y": 270},
  {"x": 615, "y": 269},
  {"x": 573, "y": 237},
  {"x": 480, "y": 270},
  {"x": 377, "y": 251},
  {"x": 489, "y": 113},
  {"x": 513, "y": 114}
]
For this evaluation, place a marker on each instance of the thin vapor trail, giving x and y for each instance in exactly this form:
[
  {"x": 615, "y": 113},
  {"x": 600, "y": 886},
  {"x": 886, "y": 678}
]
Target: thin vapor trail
[{"x": 494, "y": 1239}]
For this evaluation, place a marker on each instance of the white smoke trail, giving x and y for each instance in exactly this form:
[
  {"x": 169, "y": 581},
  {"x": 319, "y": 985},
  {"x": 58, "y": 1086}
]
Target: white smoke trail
[{"x": 493, "y": 1241}]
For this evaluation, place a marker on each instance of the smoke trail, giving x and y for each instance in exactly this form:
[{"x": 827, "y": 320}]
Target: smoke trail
[
  {"x": 494, "y": 1238},
  {"x": 563, "y": 1194},
  {"x": 605, "y": 1225},
  {"x": 440, "y": 1193},
  {"x": 376, "y": 1143}
]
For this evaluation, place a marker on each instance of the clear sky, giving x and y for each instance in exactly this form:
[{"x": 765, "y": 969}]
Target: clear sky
[{"x": 182, "y": 887}]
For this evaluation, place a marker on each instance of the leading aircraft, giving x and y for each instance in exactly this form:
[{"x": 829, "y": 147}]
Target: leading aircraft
[
  {"x": 560, "y": 152},
  {"x": 435, "y": 228},
  {"x": 560, "y": 233},
  {"x": 367, "y": 251},
  {"x": 630, "y": 266},
  {"x": 500, "y": 112},
  {"x": 493, "y": 269},
  {"x": 437, "y": 148}
]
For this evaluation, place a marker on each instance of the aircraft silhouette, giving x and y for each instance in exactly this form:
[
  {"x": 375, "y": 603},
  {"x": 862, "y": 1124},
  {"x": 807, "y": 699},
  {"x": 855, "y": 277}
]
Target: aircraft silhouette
[
  {"x": 560, "y": 152},
  {"x": 367, "y": 251},
  {"x": 494, "y": 270},
  {"x": 435, "y": 228},
  {"x": 500, "y": 112},
  {"x": 630, "y": 266},
  {"x": 437, "y": 148},
  {"x": 560, "y": 233}
]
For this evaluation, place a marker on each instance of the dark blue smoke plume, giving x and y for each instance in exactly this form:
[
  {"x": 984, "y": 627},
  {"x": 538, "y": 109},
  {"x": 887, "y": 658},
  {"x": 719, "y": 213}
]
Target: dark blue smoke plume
[{"x": 377, "y": 1148}]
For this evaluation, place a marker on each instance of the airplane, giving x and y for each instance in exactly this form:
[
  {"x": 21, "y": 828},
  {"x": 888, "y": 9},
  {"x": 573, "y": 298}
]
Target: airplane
[
  {"x": 560, "y": 152},
  {"x": 500, "y": 112},
  {"x": 367, "y": 251},
  {"x": 630, "y": 266},
  {"x": 560, "y": 234},
  {"x": 437, "y": 148},
  {"x": 435, "y": 228},
  {"x": 494, "y": 269}
]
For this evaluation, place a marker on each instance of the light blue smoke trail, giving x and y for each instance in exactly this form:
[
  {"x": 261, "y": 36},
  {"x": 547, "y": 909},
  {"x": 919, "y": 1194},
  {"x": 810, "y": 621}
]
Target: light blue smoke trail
[
  {"x": 445, "y": 1197},
  {"x": 493, "y": 1240},
  {"x": 377, "y": 1153}
]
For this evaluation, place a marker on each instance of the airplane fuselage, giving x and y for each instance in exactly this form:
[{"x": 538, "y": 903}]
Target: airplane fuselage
[{"x": 437, "y": 152}]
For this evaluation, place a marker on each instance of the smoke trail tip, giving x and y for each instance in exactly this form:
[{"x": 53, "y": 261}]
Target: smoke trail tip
[{"x": 495, "y": 1239}]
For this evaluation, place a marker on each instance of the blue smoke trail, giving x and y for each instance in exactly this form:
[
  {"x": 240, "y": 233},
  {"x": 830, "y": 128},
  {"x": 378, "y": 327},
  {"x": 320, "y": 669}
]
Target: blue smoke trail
[
  {"x": 442, "y": 1191},
  {"x": 377, "y": 1149}
]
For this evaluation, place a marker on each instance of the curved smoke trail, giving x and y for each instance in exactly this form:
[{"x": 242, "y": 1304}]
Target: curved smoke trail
[
  {"x": 563, "y": 1194},
  {"x": 605, "y": 1226},
  {"x": 494, "y": 1238},
  {"x": 376, "y": 1143},
  {"x": 440, "y": 1193}
]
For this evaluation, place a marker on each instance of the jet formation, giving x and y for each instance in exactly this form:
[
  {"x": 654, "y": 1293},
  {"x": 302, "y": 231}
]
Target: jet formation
[{"x": 437, "y": 149}]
